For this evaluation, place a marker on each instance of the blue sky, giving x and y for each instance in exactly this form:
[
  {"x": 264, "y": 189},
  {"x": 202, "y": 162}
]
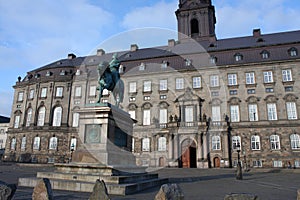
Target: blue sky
[{"x": 36, "y": 32}]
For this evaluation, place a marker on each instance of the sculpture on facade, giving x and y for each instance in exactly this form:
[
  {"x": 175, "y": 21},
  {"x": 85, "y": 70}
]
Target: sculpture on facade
[{"x": 109, "y": 78}]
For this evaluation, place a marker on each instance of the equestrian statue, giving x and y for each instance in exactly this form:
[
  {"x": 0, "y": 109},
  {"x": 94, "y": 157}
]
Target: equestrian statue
[{"x": 109, "y": 78}]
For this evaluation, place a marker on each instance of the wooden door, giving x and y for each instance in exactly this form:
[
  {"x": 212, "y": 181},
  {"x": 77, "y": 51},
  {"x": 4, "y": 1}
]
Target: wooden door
[
  {"x": 216, "y": 162},
  {"x": 185, "y": 158},
  {"x": 161, "y": 162}
]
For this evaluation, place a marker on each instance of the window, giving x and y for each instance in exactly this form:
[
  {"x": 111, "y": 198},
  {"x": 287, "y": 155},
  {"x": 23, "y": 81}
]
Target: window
[
  {"x": 146, "y": 117},
  {"x": 255, "y": 142},
  {"x": 57, "y": 116},
  {"x": 213, "y": 60},
  {"x": 215, "y": 93},
  {"x": 36, "y": 143},
  {"x": 147, "y": 86},
  {"x": 179, "y": 83},
  {"x": 194, "y": 27},
  {"x": 277, "y": 163},
  {"x": 297, "y": 163},
  {"x": 265, "y": 54},
  {"x": 189, "y": 114},
  {"x": 132, "y": 144},
  {"x": 216, "y": 143},
  {"x": 62, "y": 72},
  {"x": 142, "y": 67},
  {"x": 78, "y": 91},
  {"x": 197, "y": 82},
  {"x": 293, "y": 52},
  {"x": 163, "y": 116},
  {"x": 163, "y": 85},
  {"x": 31, "y": 94},
  {"x": 77, "y": 72},
  {"x": 44, "y": 92},
  {"x": 216, "y": 113},
  {"x": 20, "y": 96},
  {"x": 146, "y": 144},
  {"x": 17, "y": 121},
  {"x": 53, "y": 143},
  {"x": 257, "y": 163},
  {"x": 23, "y": 143},
  {"x": 162, "y": 97},
  {"x": 251, "y": 91},
  {"x": 295, "y": 141},
  {"x": 13, "y": 144},
  {"x": 234, "y": 113},
  {"x": 188, "y": 62},
  {"x": 164, "y": 64},
  {"x": 235, "y": 141},
  {"x": 214, "y": 81},
  {"x": 269, "y": 90},
  {"x": 132, "y": 87},
  {"x": 291, "y": 110},
  {"x": 238, "y": 57},
  {"x": 250, "y": 78},
  {"x": 28, "y": 117},
  {"x": 233, "y": 92},
  {"x": 253, "y": 112},
  {"x": 59, "y": 91},
  {"x": 288, "y": 89},
  {"x": 162, "y": 144},
  {"x": 92, "y": 90},
  {"x": 147, "y": 98},
  {"x": 41, "y": 116},
  {"x": 268, "y": 77},
  {"x": 232, "y": 79},
  {"x": 275, "y": 142},
  {"x": 132, "y": 99},
  {"x": 287, "y": 75},
  {"x": 132, "y": 114},
  {"x": 73, "y": 144},
  {"x": 272, "y": 111},
  {"x": 75, "y": 119}
]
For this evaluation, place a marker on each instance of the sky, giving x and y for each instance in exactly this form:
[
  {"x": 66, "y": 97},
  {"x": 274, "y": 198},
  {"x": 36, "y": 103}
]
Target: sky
[{"x": 34, "y": 33}]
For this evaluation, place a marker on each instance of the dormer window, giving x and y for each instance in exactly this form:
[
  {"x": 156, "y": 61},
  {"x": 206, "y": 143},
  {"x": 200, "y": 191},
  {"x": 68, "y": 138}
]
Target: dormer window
[
  {"x": 293, "y": 52},
  {"x": 164, "y": 64},
  {"x": 48, "y": 73},
  {"x": 62, "y": 72},
  {"x": 213, "y": 60},
  {"x": 142, "y": 67},
  {"x": 77, "y": 72},
  {"x": 265, "y": 54},
  {"x": 121, "y": 69},
  {"x": 188, "y": 62},
  {"x": 238, "y": 57},
  {"x": 37, "y": 76}
]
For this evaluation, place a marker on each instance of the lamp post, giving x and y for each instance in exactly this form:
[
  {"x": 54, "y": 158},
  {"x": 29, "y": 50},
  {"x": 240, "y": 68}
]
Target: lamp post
[{"x": 239, "y": 175}]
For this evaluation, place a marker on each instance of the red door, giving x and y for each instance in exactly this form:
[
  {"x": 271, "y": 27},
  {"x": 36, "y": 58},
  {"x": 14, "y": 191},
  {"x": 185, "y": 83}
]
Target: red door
[{"x": 185, "y": 158}]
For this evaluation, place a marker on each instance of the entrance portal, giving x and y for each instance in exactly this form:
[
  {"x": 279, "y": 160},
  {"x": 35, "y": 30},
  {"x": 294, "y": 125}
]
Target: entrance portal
[
  {"x": 217, "y": 162},
  {"x": 188, "y": 157}
]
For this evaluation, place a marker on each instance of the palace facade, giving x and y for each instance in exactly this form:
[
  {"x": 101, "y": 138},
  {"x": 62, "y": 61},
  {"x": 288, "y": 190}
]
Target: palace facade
[{"x": 196, "y": 100}]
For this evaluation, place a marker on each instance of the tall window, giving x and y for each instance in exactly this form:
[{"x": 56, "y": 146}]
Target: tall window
[
  {"x": 146, "y": 144},
  {"x": 287, "y": 75},
  {"x": 250, "y": 78},
  {"x": 291, "y": 110},
  {"x": 216, "y": 113},
  {"x": 162, "y": 144},
  {"x": 295, "y": 141},
  {"x": 179, "y": 83},
  {"x": 59, "y": 91},
  {"x": 23, "y": 143},
  {"x": 253, "y": 112},
  {"x": 214, "y": 81},
  {"x": 57, "y": 116},
  {"x": 41, "y": 116},
  {"x": 17, "y": 121},
  {"x": 272, "y": 111},
  {"x": 132, "y": 87},
  {"x": 234, "y": 113},
  {"x": 31, "y": 94},
  {"x": 13, "y": 144},
  {"x": 20, "y": 96},
  {"x": 255, "y": 142},
  {"x": 78, "y": 91},
  {"x": 238, "y": 57},
  {"x": 163, "y": 85},
  {"x": 44, "y": 92},
  {"x": 92, "y": 90},
  {"x": 268, "y": 77},
  {"x": 147, "y": 86},
  {"x": 132, "y": 114},
  {"x": 235, "y": 141},
  {"x": 146, "y": 117},
  {"x": 163, "y": 116},
  {"x": 36, "y": 143},
  {"x": 232, "y": 79},
  {"x": 265, "y": 54},
  {"x": 53, "y": 143},
  {"x": 75, "y": 119},
  {"x": 194, "y": 26},
  {"x": 73, "y": 144},
  {"x": 216, "y": 142},
  {"x": 197, "y": 82},
  {"x": 29, "y": 116},
  {"x": 275, "y": 142},
  {"x": 189, "y": 113}
]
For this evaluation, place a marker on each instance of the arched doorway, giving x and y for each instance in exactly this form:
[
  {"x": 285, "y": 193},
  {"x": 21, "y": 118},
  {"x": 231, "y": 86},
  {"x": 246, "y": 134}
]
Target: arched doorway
[
  {"x": 216, "y": 162},
  {"x": 161, "y": 162},
  {"x": 188, "y": 156}
]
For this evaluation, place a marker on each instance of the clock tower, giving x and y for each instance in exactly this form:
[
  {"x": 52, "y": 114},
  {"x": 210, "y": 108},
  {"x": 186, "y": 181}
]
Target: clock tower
[{"x": 196, "y": 19}]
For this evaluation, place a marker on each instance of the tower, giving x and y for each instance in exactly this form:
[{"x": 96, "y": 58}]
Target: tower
[{"x": 196, "y": 19}]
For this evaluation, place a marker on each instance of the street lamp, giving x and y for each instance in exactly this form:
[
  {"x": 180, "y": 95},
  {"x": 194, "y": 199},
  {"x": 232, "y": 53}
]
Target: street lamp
[{"x": 239, "y": 175}]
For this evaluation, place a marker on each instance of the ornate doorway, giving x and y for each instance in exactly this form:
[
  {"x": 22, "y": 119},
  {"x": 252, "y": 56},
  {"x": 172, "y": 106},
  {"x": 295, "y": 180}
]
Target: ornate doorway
[{"x": 188, "y": 156}]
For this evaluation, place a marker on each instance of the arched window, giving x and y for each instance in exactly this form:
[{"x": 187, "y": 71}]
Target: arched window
[
  {"x": 17, "y": 121},
  {"x": 295, "y": 141},
  {"x": 235, "y": 141},
  {"x": 194, "y": 27},
  {"x": 57, "y": 113},
  {"x": 41, "y": 116},
  {"x": 53, "y": 143},
  {"x": 13, "y": 144},
  {"x": 73, "y": 144},
  {"x": 216, "y": 143},
  {"x": 29, "y": 116},
  {"x": 146, "y": 144},
  {"x": 36, "y": 143},
  {"x": 162, "y": 144},
  {"x": 23, "y": 143},
  {"x": 75, "y": 119},
  {"x": 275, "y": 142},
  {"x": 255, "y": 142}
]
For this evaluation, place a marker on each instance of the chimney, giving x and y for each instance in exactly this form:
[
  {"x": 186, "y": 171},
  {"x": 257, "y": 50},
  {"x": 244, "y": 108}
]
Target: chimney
[
  {"x": 71, "y": 56},
  {"x": 134, "y": 47},
  {"x": 256, "y": 33},
  {"x": 100, "y": 52},
  {"x": 171, "y": 43}
]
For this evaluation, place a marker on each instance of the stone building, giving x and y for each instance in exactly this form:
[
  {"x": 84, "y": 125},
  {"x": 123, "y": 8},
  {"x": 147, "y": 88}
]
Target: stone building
[
  {"x": 196, "y": 100},
  {"x": 4, "y": 124}
]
